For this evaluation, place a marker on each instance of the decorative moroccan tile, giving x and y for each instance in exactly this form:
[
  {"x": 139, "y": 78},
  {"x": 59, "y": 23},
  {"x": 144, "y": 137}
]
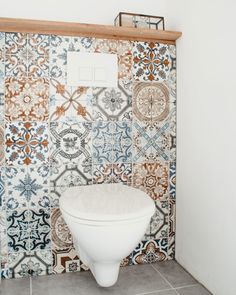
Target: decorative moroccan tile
[
  {"x": 2, "y": 188},
  {"x": 60, "y": 233},
  {"x": 123, "y": 49},
  {"x": 67, "y": 260},
  {"x": 172, "y": 217},
  {"x": 122, "y": 142},
  {"x": 172, "y": 180},
  {"x": 71, "y": 142},
  {"x": 102, "y": 173},
  {"x": 20, "y": 187},
  {"x": 152, "y": 178},
  {"x": 68, "y": 175},
  {"x": 26, "y": 99},
  {"x": 2, "y": 148},
  {"x": 158, "y": 227},
  {"x": 161, "y": 141},
  {"x": 113, "y": 104},
  {"x": 16, "y": 54},
  {"x": 103, "y": 142},
  {"x": 112, "y": 142},
  {"x": 150, "y": 142},
  {"x": 37, "y": 186},
  {"x": 27, "y": 55},
  {"x": 151, "y": 102},
  {"x": 60, "y": 45},
  {"x": 112, "y": 173},
  {"x": 38, "y": 55},
  {"x": 27, "y": 187},
  {"x": 142, "y": 142},
  {"x": 26, "y": 143},
  {"x": 122, "y": 173},
  {"x": 70, "y": 103},
  {"x": 28, "y": 231},
  {"x": 27, "y": 264},
  {"x": 151, "y": 61},
  {"x": 150, "y": 251}
]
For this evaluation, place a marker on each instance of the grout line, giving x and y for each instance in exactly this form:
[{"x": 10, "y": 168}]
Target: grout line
[
  {"x": 172, "y": 288},
  {"x": 31, "y": 289},
  {"x": 155, "y": 291}
]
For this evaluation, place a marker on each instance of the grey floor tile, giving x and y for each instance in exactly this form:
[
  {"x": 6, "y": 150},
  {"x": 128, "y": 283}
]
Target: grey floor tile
[
  {"x": 195, "y": 290},
  {"x": 168, "y": 292},
  {"x": 174, "y": 273},
  {"x": 15, "y": 287},
  {"x": 132, "y": 280},
  {"x": 140, "y": 279}
]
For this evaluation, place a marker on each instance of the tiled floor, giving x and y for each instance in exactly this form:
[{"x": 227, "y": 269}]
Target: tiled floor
[{"x": 163, "y": 278}]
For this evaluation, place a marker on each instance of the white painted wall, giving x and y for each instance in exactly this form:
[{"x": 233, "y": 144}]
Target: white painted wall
[
  {"x": 83, "y": 11},
  {"x": 206, "y": 140}
]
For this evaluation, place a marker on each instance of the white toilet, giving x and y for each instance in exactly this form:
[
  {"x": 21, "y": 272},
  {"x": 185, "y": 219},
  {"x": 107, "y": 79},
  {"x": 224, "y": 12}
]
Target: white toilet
[{"x": 107, "y": 221}]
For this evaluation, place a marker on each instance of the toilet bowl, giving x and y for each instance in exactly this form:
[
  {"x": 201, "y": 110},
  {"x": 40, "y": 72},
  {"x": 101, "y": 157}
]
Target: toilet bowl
[{"x": 107, "y": 221}]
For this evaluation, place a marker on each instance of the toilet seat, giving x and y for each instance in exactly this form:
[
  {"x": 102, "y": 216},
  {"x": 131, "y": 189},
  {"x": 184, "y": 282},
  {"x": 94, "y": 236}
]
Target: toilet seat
[{"x": 115, "y": 203}]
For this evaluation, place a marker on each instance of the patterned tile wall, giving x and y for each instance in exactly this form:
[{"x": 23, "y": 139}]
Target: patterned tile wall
[{"x": 53, "y": 136}]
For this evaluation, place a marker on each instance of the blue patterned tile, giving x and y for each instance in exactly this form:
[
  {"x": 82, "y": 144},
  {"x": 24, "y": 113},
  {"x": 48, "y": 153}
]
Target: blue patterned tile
[
  {"x": 20, "y": 187},
  {"x": 122, "y": 139},
  {"x": 27, "y": 187},
  {"x": 29, "y": 230},
  {"x": 172, "y": 180},
  {"x": 27, "y": 55},
  {"x": 103, "y": 142},
  {"x": 112, "y": 142},
  {"x": 26, "y": 143},
  {"x": 150, "y": 251}
]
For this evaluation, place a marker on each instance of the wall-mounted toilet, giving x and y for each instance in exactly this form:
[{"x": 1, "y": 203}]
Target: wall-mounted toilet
[{"x": 107, "y": 221}]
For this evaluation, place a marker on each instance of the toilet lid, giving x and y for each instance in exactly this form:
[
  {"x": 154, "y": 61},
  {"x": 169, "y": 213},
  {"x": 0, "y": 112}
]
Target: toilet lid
[{"x": 106, "y": 202}]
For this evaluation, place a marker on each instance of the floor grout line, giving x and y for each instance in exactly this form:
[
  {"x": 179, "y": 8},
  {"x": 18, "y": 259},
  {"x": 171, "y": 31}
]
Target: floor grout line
[
  {"x": 172, "y": 288},
  {"x": 31, "y": 289}
]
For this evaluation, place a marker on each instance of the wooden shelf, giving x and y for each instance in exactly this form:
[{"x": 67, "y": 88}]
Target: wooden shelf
[{"x": 90, "y": 30}]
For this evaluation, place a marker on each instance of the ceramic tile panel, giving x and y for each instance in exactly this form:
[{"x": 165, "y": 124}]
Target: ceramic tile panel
[
  {"x": 112, "y": 142},
  {"x": 53, "y": 136},
  {"x": 26, "y": 143},
  {"x": 113, "y": 104},
  {"x": 152, "y": 178},
  {"x": 150, "y": 251},
  {"x": 71, "y": 142},
  {"x": 24, "y": 264},
  {"x": 26, "y": 99},
  {"x": 26, "y": 55},
  {"x": 151, "y": 61},
  {"x": 70, "y": 103}
]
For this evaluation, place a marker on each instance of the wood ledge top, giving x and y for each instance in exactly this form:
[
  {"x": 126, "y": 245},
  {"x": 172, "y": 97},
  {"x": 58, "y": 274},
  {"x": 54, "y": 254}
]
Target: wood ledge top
[{"x": 90, "y": 30}]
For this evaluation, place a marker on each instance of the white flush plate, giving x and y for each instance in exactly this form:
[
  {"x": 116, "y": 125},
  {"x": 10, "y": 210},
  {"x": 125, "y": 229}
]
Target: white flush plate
[{"x": 92, "y": 69}]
